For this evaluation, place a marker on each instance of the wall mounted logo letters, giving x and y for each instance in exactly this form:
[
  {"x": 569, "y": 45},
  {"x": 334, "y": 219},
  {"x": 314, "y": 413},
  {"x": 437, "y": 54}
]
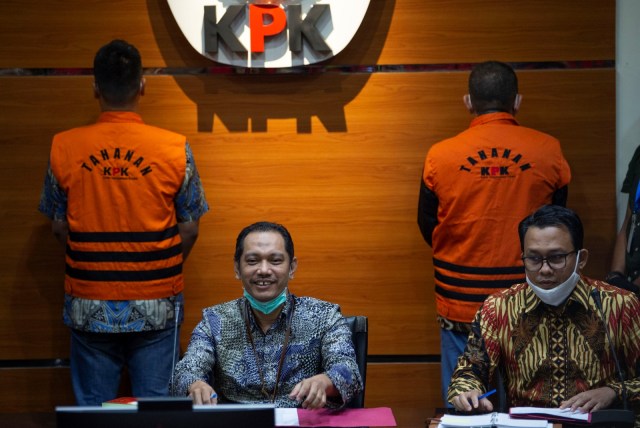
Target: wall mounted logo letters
[{"x": 269, "y": 33}]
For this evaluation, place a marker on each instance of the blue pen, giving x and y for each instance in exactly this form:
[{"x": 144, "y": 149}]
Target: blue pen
[{"x": 486, "y": 394}]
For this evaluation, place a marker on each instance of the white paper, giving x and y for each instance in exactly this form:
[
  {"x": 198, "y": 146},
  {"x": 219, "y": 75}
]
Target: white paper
[
  {"x": 287, "y": 417},
  {"x": 551, "y": 412}
]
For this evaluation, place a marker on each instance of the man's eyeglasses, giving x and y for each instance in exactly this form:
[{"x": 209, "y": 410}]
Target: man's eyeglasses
[{"x": 555, "y": 261}]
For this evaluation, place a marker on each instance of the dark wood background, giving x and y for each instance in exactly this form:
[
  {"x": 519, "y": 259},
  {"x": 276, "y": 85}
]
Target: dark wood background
[{"x": 335, "y": 154}]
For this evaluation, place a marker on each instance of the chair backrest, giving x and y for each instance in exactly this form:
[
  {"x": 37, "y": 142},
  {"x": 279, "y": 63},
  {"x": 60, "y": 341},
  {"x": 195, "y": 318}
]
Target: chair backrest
[{"x": 359, "y": 326}]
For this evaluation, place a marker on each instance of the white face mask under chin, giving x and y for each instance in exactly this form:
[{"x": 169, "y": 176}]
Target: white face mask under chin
[{"x": 557, "y": 295}]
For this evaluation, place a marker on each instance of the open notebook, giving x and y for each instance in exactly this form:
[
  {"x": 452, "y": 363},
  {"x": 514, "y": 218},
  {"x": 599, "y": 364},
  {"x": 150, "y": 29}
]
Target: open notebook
[{"x": 489, "y": 420}]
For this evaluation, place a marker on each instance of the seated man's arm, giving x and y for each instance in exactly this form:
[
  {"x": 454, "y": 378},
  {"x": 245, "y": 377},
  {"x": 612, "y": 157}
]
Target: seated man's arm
[
  {"x": 193, "y": 371},
  {"x": 627, "y": 342},
  {"x": 202, "y": 393},
  {"x": 340, "y": 381},
  {"x": 629, "y": 335},
  {"x": 471, "y": 377},
  {"x": 313, "y": 391},
  {"x": 591, "y": 400}
]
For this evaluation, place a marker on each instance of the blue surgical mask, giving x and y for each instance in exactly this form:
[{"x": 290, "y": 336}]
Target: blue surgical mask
[{"x": 266, "y": 307}]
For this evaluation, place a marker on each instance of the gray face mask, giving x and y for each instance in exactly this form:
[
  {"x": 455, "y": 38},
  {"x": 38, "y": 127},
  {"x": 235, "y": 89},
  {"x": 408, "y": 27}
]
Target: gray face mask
[{"x": 557, "y": 295}]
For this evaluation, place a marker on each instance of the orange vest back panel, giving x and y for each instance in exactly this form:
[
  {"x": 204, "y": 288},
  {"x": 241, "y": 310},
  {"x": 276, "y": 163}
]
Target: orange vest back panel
[
  {"x": 487, "y": 179},
  {"x": 121, "y": 177}
]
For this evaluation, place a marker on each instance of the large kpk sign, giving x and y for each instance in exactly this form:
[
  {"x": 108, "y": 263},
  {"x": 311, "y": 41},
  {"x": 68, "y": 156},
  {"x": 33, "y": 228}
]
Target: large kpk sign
[{"x": 269, "y": 33}]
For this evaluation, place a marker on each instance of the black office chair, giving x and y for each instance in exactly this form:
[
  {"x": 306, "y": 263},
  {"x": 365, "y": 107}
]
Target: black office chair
[{"x": 359, "y": 326}]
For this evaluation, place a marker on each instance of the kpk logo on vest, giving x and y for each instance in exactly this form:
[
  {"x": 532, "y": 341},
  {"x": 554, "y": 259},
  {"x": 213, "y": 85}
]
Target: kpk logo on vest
[
  {"x": 125, "y": 159},
  {"x": 495, "y": 164},
  {"x": 269, "y": 33}
]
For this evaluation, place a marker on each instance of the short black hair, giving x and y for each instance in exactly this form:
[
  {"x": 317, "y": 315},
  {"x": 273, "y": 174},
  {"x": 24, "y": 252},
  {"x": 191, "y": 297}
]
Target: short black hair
[
  {"x": 554, "y": 216},
  {"x": 117, "y": 68},
  {"x": 263, "y": 226},
  {"x": 493, "y": 86}
]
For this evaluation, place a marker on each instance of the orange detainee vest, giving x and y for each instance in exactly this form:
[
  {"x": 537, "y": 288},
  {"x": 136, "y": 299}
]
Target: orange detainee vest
[
  {"x": 487, "y": 179},
  {"x": 120, "y": 177}
]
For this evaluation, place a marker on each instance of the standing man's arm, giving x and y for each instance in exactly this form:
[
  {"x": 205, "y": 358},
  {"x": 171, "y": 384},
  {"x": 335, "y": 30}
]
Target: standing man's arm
[
  {"x": 53, "y": 204},
  {"x": 191, "y": 204},
  {"x": 189, "y": 234},
  {"x": 619, "y": 268},
  {"x": 620, "y": 247},
  {"x": 560, "y": 196},
  {"x": 60, "y": 230},
  {"x": 427, "y": 212},
  {"x": 617, "y": 275},
  {"x": 562, "y": 178}
]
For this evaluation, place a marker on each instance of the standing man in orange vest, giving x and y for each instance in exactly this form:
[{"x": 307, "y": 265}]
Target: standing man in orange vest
[
  {"x": 475, "y": 189},
  {"x": 125, "y": 200}
]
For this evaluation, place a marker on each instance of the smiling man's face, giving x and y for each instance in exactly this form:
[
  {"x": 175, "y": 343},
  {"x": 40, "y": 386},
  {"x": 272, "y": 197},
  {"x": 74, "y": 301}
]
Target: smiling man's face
[{"x": 264, "y": 267}]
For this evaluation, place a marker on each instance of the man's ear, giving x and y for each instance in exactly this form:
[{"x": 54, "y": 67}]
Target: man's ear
[
  {"x": 584, "y": 256},
  {"x": 292, "y": 268},
  {"x": 143, "y": 85},
  {"x": 236, "y": 270},
  {"x": 466, "y": 99},
  {"x": 516, "y": 104},
  {"x": 96, "y": 91}
]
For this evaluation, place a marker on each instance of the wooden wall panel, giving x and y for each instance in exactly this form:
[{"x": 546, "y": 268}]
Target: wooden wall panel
[
  {"x": 406, "y": 385},
  {"x": 458, "y": 31},
  {"x": 348, "y": 196},
  {"x": 66, "y": 33},
  {"x": 335, "y": 155},
  {"x": 37, "y": 390},
  {"x": 412, "y": 390}
]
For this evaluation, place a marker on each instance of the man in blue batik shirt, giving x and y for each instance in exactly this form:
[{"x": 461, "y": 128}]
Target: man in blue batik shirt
[
  {"x": 147, "y": 319},
  {"x": 123, "y": 276},
  {"x": 269, "y": 346}
]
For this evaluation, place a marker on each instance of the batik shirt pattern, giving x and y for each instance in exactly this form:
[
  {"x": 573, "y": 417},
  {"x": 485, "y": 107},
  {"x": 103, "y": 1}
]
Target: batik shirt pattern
[
  {"x": 549, "y": 354},
  {"x": 126, "y": 316}
]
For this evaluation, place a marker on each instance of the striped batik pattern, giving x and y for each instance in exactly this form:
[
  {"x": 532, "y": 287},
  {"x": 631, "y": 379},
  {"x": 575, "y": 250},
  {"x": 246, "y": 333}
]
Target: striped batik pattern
[{"x": 548, "y": 353}]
